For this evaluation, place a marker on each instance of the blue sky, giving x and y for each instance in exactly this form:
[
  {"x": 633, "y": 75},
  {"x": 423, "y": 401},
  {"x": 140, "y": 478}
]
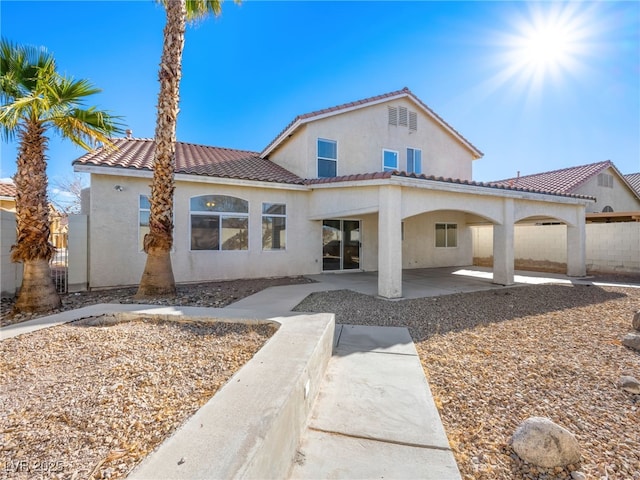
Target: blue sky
[{"x": 535, "y": 85}]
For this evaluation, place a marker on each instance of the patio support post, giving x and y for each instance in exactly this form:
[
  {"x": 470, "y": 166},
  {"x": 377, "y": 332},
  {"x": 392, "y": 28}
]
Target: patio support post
[
  {"x": 576, "y": 247},
  {"x": 390, "y": 242},
  {"x": 503, "y": 249}
]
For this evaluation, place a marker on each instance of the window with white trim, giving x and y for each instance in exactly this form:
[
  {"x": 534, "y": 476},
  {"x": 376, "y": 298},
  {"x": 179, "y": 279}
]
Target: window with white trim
[
  {"x": 327, "y": 158},
  {"x": 414, "y": 160},
  {"x": 389, "y": 160},
  {"x": 446, "y": 235},
  {"x": 144, "y": 210},
  {"x": 219, "y": 222},
  {"x": 274, "y": 226}
]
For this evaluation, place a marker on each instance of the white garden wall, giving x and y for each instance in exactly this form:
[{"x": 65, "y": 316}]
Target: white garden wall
[
  {"x": 610, "y": 247},
  {"x": 11, "y": 272}
]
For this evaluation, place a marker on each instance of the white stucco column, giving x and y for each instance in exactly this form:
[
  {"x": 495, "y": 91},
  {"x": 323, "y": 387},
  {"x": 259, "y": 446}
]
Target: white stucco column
[
  {"x": 577, "y": 247},
  {"x": 390, "y": 242},
  {"x": 503, "y": 251}
]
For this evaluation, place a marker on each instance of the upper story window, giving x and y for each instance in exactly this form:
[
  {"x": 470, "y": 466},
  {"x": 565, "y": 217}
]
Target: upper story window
[
  {"x": 414, "y": 160},
  {"x": 274, "y": 226},
  {"x": 605, "y": 180},
  {"x": 389, "y": 160},
  {"x": 219, "y": 222},
  {"x": 327, "y": 158}
]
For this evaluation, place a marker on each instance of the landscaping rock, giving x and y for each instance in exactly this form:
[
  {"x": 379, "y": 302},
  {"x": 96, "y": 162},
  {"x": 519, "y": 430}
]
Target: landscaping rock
[
  {"x": 543, "y": 443},
  {"x": 575, "y": 475},
  {"x": 636, "y": 320},
  {"x": 630, "y": 384},
  {"x": 632, "y": 340}
]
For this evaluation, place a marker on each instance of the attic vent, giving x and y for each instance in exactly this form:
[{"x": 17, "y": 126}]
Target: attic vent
[
  {"x": 413, "y": 121},
  {"x": 605, "y": 180},
  {"x": 607, "y": 209},
  {"x": 403, "y": 116},
  {"x": 393, "y": 116}
]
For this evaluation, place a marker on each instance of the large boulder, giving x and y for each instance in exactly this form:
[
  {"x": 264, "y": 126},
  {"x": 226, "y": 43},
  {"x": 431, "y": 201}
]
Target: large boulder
[
  {"x": 632, "y": 340},
  {"x": 630, "y": 384},
  {"x": 636, "y": 321},
  {"x": 543, "y": 443}
]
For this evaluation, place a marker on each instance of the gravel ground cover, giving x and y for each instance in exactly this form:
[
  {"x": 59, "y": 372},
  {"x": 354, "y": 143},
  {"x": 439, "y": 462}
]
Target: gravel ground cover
[
  {"x": 209, "y": 294},
  {"x": 497, "y": 357},
  {"x": 82, "y": 401}
]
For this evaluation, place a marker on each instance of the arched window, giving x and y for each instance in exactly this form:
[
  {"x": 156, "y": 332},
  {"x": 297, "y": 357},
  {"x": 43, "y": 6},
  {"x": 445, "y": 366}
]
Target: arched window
[
  {"x": 219, "y": 222},
  {"x": 607, "y": 209}
]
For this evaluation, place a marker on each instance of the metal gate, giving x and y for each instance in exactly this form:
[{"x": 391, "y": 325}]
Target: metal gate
[{"x": 59, "y": 263}]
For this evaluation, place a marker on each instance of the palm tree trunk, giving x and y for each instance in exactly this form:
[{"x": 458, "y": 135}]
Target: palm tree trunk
[
  {"x": 157, "y": 278},
  {"x": 37, "y": 293}
]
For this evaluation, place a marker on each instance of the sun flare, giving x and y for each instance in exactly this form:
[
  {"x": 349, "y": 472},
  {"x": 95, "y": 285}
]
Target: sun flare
[{"x": 546, "y": 43}]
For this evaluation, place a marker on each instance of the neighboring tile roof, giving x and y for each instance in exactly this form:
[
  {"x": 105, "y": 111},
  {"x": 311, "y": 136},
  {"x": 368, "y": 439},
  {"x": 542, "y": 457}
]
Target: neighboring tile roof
[
  {"x": 565, "y": 180},
  {"x": 634, "y": 181},
  {"x": 7, "y": 190},
  {"x": 396, "y": 173},
  {"x": 137, "y": 153},
  {"x": 405, "y": 92}
]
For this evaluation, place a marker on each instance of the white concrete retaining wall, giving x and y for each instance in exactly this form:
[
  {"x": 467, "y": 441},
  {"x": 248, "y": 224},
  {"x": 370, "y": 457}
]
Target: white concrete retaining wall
[
  {"x": 610, "y": 247},
  {"x": 11, "y": 278}
]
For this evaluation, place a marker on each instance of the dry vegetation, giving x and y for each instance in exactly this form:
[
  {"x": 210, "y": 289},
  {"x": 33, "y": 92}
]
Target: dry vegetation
[{"x": 83, "y": 401}]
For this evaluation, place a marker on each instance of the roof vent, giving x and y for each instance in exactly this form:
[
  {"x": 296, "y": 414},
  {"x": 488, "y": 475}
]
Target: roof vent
[{"x": 129, "y": 133}]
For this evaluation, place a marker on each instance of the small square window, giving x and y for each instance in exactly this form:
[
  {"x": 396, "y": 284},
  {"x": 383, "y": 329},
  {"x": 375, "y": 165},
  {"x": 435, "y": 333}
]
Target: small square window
[{"x": 389, "y": 160}]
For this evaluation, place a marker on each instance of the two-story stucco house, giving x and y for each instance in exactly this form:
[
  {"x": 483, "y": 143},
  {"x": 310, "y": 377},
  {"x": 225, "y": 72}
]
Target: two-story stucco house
[{"x": 380, "y": 184}]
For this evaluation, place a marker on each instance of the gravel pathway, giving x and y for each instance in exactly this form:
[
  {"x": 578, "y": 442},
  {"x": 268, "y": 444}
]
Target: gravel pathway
[{"x": 495, "y": 358}]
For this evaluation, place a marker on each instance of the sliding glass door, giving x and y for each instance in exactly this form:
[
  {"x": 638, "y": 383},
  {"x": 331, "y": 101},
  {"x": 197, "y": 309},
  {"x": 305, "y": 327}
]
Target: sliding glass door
[{"x": 340, "y": 245}]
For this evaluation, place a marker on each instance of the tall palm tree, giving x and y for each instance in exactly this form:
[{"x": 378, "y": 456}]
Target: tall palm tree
[
  {"x": 157, "y": 278},
  {"x": 36, "y": 98}
]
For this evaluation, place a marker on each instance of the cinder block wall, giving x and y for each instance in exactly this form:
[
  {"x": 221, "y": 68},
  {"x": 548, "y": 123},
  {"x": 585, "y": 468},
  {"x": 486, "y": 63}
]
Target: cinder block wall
[
  {"x": 11, "y": 277},
  {"x": 610, "y": 247}
]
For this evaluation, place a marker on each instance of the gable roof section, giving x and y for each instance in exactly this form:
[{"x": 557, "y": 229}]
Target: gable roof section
[
  {"x": 367, "y": 102},
  {"x": 565, "y": 180},
  {"x": 137, "y": 153},
  {"x": 7, "y": 190},
  {"x": 634, "y": 180}
]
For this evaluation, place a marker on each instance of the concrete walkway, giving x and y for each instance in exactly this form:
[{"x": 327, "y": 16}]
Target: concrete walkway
[{"x": 374, "y": 416}]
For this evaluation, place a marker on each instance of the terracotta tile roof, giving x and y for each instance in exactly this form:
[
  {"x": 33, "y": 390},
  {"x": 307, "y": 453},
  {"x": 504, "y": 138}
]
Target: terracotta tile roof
[
  {"x": 634, "y": 181},
  {"x": 7, "y": 190},
  {"x": 396, "y": 173},
  {"x": 565, "y": 180},
  {"x": 137, "y": 153},
  {"x": 405, "y": 92}
]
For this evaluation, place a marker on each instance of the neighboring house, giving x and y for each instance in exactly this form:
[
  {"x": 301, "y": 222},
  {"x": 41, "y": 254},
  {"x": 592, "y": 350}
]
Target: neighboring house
[
  {"x": 7, "y": 197},
  {"x": 634, "y": 180},
  {"x": 380, "y": 184},
  {"x": 617, "y": 199}
]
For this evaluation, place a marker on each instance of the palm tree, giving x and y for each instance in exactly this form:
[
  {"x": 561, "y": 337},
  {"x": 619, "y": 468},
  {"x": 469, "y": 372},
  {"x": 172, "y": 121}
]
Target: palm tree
[
  {"x": 36, "y": 98},
  {"x": 157, "y": 278}
]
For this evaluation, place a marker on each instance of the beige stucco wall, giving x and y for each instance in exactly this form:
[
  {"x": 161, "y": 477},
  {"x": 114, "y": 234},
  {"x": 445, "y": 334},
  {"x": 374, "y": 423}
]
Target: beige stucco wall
[
  {"x": 419, "y": 245},
  {"x": 361, "y": 136},
  {"x": 8, "y": 204},
  {"x": 115, "y": 257},
  {"x": 610, "y": 247},
  {"x": 11, "y": 273},
  {"x": 620, "y": 197}
]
